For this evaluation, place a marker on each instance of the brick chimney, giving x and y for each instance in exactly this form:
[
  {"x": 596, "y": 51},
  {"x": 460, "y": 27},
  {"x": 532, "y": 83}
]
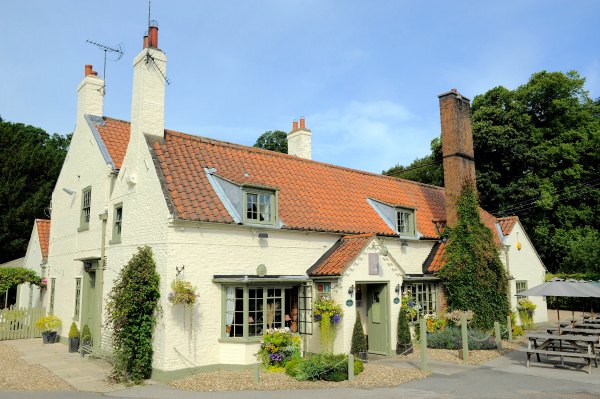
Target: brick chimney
[
  {"x": 90, "y": 94},
  {"x": 299, "y": 140},
  {"x": 148, "y": 99},
  {"x": 457, "y": 149}
]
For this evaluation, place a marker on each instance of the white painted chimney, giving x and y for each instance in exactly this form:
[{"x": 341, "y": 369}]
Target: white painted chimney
[
  {"x": 149, "y": 81},
  {"x": 90, "y": 97},
  {"x": 299, "y": 140}
]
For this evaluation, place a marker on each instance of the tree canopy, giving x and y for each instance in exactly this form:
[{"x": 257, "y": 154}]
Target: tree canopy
[
  {"x": 537, "y": 156},
  {"x": 274, "y": 140},
  {"x": 30, "y": 161}
]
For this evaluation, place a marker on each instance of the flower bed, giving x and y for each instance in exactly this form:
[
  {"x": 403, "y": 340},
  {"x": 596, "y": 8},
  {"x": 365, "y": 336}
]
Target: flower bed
[{"x": 278, "y": 347}]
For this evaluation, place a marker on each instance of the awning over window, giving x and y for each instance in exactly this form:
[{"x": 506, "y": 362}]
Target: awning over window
[{"x": 257, "y": 279}]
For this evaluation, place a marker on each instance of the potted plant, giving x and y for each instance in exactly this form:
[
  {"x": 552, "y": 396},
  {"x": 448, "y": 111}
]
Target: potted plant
[
  {"x": 73, "y": 338},
  {"x": 48, "y": 324},
  {"x": 404, "y": 343},
  {"x": 86, "y": 338},
  {"x": 359, "y": 341}
]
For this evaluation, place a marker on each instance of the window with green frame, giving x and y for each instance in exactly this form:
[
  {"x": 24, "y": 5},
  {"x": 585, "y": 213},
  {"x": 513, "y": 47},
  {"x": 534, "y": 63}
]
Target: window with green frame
[
  {"x": 425, "y": 296},
  {"x": 77, "y": 298},
  {"x": 86, "y": 207},
  {"x": 117, "y": 223},
  {"x": 521, "y": 286},
  {"x": 52, "y": 294},
  {"x": 260, "y": 206},
  {"x": 249, "y": 310},
  {"x": 405, "y": 221}
]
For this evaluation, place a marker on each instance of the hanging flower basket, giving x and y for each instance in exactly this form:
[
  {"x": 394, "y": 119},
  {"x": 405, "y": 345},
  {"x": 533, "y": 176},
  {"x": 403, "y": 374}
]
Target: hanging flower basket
[
  {"x": 329, "y": 314},
  {"x": 183, "y": 293}
]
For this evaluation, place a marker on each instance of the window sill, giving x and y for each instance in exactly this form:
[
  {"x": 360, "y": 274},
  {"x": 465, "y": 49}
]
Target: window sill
[
  {"x": 114, "y": 241},
  {"x": 83, "y": 228},
  {"x": 231, "y": 340}
]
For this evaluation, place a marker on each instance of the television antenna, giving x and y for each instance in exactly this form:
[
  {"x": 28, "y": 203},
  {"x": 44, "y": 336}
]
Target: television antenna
[{"x": 117, "y": 51}]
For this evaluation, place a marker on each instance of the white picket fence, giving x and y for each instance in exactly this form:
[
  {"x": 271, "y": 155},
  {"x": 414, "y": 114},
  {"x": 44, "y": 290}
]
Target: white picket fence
[{"x": 19, "y": 323}]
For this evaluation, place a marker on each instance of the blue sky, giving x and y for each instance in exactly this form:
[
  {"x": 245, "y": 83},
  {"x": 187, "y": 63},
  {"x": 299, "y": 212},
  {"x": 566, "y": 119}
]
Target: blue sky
[{"x": 365, "y": 74}]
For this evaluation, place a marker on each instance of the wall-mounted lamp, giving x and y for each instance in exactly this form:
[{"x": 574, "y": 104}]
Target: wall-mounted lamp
[
  {"x": 179, "y": 270},
  {"x": 68, "y": 191},
  {"x": 397, "y": 289},
  {"x": 351, "y": 290},
  {"x": 263, "y": 235},
  {"x": 404, "y": 243}
]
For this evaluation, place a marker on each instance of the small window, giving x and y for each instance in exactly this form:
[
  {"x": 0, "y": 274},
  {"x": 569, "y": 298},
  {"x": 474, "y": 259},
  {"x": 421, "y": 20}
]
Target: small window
[
  {"x": 77, "y": 298},
  {"x": 86, "y": 207},
  {"x": 52, "y": 294},
  {"x": 405, "y": 222},
  {"x": 260, "y": 207},
  {"x": 520, "y": 287},
  {"x": 117, "y": 223},
  {"x": 425, "y": 298}
]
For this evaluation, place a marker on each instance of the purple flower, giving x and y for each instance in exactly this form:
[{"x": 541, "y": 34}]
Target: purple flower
[
  {"x": 336, "y": 318},
  {"x": 276, "y": 357},
  {"x": 411, "y": 304},
  {"x": 317, "y": 317}
]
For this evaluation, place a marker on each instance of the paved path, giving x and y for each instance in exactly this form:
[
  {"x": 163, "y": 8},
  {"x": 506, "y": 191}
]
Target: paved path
[{"x": 504, "y": 377}]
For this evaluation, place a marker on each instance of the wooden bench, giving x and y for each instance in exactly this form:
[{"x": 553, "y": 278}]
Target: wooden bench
[
  {"x": 101, "y": 350},
  {"x": 582, "y": 347}
]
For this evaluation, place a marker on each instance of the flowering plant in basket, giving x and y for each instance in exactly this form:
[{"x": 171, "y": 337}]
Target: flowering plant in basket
[
  {"x": 278, "y": 346},
  {"x": 183, "y": 293},
  {"x": 329, "y": 314}
]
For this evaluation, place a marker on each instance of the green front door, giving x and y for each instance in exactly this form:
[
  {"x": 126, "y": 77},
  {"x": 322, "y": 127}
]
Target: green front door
[
  {"x": 378, "y": 318},
  {"x": 89, "y": 314}
]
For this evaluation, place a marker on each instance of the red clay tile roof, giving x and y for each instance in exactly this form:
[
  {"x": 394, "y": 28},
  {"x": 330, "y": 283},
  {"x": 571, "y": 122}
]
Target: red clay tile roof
[
  {"x": 43, "y": 229},
  {"x": 436, "y": 258},
  {"x": 312, "y": 195},
  {"x": 115, "y": 135},
  {"x": 507, "y": 224},
  {"x": 336, "y": 259}
]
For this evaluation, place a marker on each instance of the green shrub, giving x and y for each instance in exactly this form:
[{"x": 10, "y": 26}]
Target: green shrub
[
  {"x": 48, "y": 323},
  {"x": 526, "y": 310},
  {"x": 278, "y": 347},
  {"x": 131, "y": 315},
  {"x": 73, "y": 331},
  {"x": 403, "y": 329},
  {"x": 359, "y": 341},
  {"x": 474, "y": 277},
  {"x": 86, "y": 334},
  {"x": 291, "y": 367},
  {"x": 325, "y": 366},
  {"x": 517, "y": 331},
  {"x": 451, "y": 338}
]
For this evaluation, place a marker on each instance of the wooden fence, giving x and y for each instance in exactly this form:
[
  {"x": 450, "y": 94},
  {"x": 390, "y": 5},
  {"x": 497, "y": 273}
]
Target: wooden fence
[{"x": 20, "y": 323}]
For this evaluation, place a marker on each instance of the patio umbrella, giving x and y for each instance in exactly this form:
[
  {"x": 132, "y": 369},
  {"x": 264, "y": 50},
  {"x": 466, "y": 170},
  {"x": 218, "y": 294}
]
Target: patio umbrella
[
  {"x": 561, "y": 288},
  {"x": 592, "y": 287}
]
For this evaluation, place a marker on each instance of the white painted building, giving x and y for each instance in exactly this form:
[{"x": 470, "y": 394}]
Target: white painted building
[{"x": 260, "y": 234}]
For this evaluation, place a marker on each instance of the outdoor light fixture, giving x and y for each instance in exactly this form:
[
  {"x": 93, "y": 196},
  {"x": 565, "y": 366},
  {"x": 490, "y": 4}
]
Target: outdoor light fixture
[
  {"x": 397, "y": 289},
  {"x": 351, "y": 290},
  {"x": 68, "y": 191},
  {"x": 404, "y": 243}
]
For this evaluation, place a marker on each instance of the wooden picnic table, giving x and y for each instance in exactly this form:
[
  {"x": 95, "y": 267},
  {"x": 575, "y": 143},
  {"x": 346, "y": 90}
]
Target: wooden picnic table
[
  {"x": 594, "y": 326},
  {"x": 583, "y": 331},
  {"x": 582, "y": 346}
]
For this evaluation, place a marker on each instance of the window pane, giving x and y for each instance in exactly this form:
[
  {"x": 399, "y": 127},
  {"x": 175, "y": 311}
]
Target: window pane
[
  {"x": 52, "y": 293},
  {"x": 252, "y": 206},
  {"x": 234, "y": 312},
  {"x": 265, "y": 207},
  {"x": 255, "y": 312},
  {"x": 77, "y": 297},
  {"x": 274, "y": 308}
]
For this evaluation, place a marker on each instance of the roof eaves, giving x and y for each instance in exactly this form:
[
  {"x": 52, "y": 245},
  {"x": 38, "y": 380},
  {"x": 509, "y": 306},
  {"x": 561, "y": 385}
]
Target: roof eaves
[{"x": 92, "y": 121}]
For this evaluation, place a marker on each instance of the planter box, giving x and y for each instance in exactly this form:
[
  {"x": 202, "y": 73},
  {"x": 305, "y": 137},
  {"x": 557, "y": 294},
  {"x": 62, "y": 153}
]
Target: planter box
[
  {"x": 73, "y": 344},
  {"x": 49, "y": 337},
  {"x": 404, "y": 349}
]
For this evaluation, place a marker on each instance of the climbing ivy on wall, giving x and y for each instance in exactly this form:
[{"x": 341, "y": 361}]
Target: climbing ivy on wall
[
  {"x": 11, "y": 276},
  {"x": 474, "y": 277},
  {"x": 131, "y": 314}
]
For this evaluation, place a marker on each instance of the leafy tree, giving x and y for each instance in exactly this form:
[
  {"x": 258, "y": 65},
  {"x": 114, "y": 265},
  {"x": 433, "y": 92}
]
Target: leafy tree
[
  {"x": 425, "y": 170},
  {"x": 274, "y": 140},
  {"x": 30, "y": 161},
  {"x": 131, "y": 315},
  {"x": 13, "y": 276},
  {"x": 536, "y": 154},
  {"x": 474, "y": 277}
]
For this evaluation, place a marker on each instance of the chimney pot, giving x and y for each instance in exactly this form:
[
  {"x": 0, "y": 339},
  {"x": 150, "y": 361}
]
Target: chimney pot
[
  {"x": 302, "y": 124},
  {"x": 295, "y": 125},
  {"x": 87, "y": 70},
  {"x": 94, "y": 73},
  {"x": 145, "y": 45},
  {"x": 153, "y": 34}
]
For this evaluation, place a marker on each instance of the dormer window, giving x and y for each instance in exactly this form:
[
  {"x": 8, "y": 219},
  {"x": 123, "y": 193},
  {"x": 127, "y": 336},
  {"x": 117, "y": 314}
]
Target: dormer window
[
  {"x": 260, "y": 206},
  {"x": 405, "y": 219}
]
